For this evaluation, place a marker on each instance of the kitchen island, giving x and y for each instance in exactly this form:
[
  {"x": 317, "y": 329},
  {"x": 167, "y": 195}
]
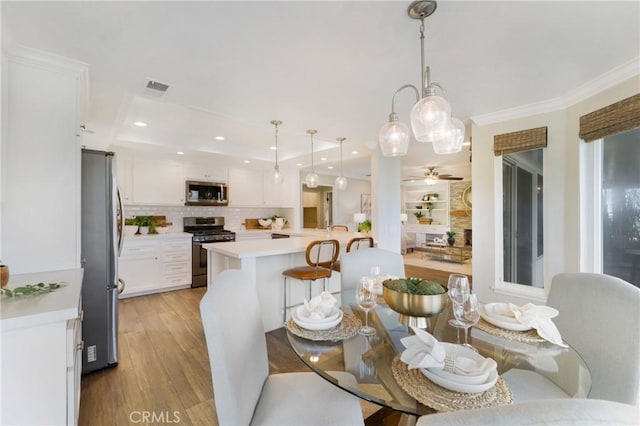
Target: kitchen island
[
  {"x": 266, "y": 259},
  {"x": 41, "y": 351}
]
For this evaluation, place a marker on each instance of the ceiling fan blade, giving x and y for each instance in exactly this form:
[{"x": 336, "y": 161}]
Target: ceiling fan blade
[{"x": 450, "y": 178}]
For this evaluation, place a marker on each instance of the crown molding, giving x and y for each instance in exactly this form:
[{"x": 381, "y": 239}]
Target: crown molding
[{"x": 599, "y": 84}]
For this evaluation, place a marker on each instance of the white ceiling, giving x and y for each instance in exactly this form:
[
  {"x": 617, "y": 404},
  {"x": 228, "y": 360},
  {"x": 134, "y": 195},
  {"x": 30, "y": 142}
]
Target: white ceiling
[{"x": 329, "y": 65}]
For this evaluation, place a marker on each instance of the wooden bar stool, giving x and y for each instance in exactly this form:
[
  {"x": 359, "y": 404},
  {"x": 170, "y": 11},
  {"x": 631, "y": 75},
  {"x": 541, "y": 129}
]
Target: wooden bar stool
[
  {"x": 320, "y": 256},
  {"x": 355, "y": 244}
]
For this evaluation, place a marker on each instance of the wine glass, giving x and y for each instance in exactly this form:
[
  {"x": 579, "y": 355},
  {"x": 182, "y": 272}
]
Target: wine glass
[
  {"x": 468, "y": 313},
  {"x": 458, "y": 291},
  {"x": 367, "y": 299}
]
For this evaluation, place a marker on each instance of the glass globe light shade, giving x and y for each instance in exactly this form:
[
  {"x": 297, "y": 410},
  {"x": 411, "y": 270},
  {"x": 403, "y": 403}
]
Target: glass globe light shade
[
  {"x": 430, "y": 118},
  {"x": 312, "y": 180},
  {"x": 453, "y": 140},
  {"x": 394, "y": 139},
  {"x": 277, "y": 176},
  {"x": 341, "y": 183}
]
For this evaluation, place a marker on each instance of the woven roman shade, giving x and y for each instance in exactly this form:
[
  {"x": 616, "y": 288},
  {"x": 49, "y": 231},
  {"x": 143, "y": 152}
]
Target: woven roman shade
[
  {"x": 611, "y": 120},
  {"x": 523, "y": 140}
]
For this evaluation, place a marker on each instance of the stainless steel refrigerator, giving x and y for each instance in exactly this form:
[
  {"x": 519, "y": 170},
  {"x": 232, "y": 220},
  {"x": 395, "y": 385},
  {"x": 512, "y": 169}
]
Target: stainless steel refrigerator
[{"x": 102, "y": 219}]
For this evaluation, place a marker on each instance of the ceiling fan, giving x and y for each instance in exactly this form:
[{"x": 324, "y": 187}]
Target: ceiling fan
[{"x": 431, "y": 177}]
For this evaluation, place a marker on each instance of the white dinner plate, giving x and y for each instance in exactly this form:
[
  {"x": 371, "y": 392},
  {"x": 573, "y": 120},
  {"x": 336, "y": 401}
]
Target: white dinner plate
[
  {"x": 305, "y": 316},
  {"x": 318, "y": 325},
  {"x": 463, "y": 351},
  {"x": 462, "y": 387},
  {"x": 502, "y": 321}
]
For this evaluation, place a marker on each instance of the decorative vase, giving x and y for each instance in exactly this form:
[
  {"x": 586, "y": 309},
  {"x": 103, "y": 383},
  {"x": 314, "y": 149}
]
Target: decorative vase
[
  {"x": 4, "y": 275},
  {"x": 451, "y": 241}
]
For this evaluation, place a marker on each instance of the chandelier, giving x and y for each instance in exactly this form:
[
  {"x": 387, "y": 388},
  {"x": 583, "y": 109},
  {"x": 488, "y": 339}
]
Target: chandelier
[
  {"x": 312, "y": 178},
  {"x": 277, "y": 176},
  {"x": 431, "y": 118},
  {"x": 341, "y": 181}
]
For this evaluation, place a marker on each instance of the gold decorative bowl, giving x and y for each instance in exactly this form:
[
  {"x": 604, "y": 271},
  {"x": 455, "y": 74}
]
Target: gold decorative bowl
[{"x": 414, "y": 309}]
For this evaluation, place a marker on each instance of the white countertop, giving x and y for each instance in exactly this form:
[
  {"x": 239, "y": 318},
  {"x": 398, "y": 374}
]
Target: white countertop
[
  {"x": 268, "y": 247},
  {"x": 167, "y": 236},
  {"x": 29, "y": 311}
]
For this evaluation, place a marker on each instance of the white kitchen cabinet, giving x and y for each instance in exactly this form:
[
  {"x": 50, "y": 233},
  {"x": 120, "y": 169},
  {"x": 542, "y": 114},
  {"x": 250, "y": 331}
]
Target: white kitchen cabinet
[
  {"x": 253, "y": 188},
  {"x": 154, "y": 263},
  {"x": 124, "y": 175},
  {"x": 205, "y": 173},
  {"x": 245, "y": 188},
  {"x": 158, "y": 182},
  {"x": 42, "y": 97},
  {"x": 41, "y": 352}
]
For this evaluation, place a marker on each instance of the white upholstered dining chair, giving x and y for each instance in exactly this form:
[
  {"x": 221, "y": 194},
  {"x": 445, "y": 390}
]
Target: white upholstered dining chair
[
  {"x": 549, "y": 412},
  {"x": 600, "y": 318},
  {"x": 244, "y": 392},
  {"x": 357, "y": 264}
]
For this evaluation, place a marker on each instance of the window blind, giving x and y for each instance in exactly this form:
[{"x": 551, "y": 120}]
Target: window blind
[
  {"x": 522, "y": 140},
  {"x": 616, "y": 118}
]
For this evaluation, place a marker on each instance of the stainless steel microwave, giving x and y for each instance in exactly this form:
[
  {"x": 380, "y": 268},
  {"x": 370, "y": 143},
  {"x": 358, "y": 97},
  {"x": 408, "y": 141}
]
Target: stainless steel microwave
[{"x": 199, "y": 193}]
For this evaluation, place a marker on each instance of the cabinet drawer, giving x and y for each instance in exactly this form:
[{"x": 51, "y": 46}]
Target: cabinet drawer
[
  {"x": 138, "y": 252},
  {"x": 183, "y": 279},
  {"x": 176, "y": 268},
  {"x": 177, "y": 246},
  {"x": 177, "y": 257}
]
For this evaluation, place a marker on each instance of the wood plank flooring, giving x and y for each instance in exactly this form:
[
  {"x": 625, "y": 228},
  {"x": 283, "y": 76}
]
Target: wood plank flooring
[{"x": 163, "y": 372}]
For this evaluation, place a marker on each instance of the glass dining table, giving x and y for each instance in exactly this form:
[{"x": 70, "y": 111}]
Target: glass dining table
[{"x": 373, "y": 359}]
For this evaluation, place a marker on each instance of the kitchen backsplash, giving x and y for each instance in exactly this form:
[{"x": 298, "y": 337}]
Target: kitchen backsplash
[{"x": 233, "y": 217}]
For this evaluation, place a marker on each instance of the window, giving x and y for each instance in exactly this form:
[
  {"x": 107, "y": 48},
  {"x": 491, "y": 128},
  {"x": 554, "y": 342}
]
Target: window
[{"x": 614, "y": 245}]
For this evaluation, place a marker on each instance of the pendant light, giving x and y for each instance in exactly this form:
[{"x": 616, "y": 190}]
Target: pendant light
[
  {"x": 341, "y": 181},
  {"x": 312, "y": 178},
  {"x": 277, "y": 176},
  {"x": 431, "y": 119}
]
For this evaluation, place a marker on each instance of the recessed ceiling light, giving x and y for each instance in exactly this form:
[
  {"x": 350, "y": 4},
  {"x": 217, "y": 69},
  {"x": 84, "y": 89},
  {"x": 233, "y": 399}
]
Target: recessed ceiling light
[
  {"x": 246, "y": 161},
  {"x": 299, "y": 164},
  {"x": 180, "y": 153},
  {"x": 324, "y": 158},
  {"x": 354, "y": 152},
  {"x": 330, "y": 167},
  {"x": 140, "y": 123},
  {"x": 273, "y": 148},
  {"x": 219, "y": 138}
]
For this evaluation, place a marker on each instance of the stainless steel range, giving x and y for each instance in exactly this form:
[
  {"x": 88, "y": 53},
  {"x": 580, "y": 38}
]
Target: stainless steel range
[{"x": 205, "y": 230}]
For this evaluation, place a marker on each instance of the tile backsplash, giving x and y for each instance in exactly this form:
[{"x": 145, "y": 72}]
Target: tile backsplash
[{"x": 233, "y": 216}]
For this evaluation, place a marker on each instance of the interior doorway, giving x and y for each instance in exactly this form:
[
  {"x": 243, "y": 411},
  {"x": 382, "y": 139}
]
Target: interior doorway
[{"x": 317, "y": 207}]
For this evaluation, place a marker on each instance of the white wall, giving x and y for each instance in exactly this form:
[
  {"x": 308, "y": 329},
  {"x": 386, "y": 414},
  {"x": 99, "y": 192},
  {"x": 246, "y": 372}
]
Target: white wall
[{"x": 561, "y": 192}]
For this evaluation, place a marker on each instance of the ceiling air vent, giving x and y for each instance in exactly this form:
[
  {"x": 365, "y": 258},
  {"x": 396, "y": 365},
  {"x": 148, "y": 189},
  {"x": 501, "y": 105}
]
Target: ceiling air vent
[{"x": 155, "y": 85}]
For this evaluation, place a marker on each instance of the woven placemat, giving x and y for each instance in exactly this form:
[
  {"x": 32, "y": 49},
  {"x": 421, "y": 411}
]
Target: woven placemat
[
  {"x": 428, "y": 393},
  {"x": 530, "y": 336},
  {"x": 348, "y": 327}
]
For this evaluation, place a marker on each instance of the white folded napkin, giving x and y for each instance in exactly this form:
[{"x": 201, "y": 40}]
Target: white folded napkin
[
  {"x": 538, "y": 317},
  {"x": 320, "y": 306},
  {"x": 423, "y": 351},
  {"x": 467, "y": 367}
]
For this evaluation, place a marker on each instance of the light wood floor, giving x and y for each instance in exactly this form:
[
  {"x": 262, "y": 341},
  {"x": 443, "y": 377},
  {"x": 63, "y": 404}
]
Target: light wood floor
[{"x": 164, "y": 366}]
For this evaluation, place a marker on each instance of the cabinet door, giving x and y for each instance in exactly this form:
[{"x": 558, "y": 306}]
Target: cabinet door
[
  {"x": 285, "y": 194},
  {"x": 245, "y": 188},
  {"x": 205, "y": 173},
  {"x": 140, "y": 269},
  {"x": 158, "y": 182},
  {"x": 41, "y": 161},
  {"x": 124, "y": 174}
]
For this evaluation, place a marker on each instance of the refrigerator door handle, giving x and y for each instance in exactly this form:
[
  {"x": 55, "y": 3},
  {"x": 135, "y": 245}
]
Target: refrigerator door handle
[
  {"x": 121, "y": 227},
  {"x": 121, "y": 285}
]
